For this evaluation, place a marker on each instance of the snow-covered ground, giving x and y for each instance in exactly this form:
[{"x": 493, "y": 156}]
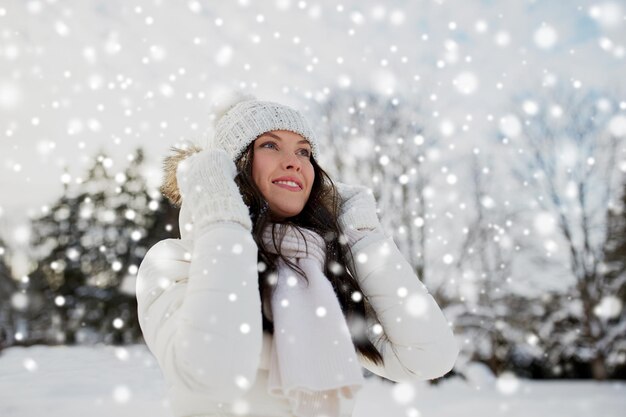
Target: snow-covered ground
[{"x": 109, "y": 381}]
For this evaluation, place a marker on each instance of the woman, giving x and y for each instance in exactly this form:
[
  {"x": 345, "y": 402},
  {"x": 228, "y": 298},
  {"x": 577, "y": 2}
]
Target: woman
[{"x": 282, "y": 285}]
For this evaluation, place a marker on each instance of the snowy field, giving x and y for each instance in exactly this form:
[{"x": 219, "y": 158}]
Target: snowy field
[{"x": 109, "y": 381}]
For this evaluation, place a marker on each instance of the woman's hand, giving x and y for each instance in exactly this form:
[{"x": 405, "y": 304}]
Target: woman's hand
[
  {"x": 206, "y": 182},
  {"x": 358, "y": 208}
]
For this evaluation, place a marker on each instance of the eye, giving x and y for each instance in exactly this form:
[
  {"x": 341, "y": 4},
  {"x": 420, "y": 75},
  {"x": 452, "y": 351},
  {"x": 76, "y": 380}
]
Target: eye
[
  {"x": 268, "y": 143},
  {"x": 305, "y": 151}
]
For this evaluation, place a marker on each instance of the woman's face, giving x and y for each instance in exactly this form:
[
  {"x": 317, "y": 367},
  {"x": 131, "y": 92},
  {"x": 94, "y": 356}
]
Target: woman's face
[{"x": 283, "y": 154}]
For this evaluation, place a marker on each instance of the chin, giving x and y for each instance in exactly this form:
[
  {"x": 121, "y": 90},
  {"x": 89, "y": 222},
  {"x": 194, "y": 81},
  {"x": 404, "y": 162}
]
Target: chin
[{"x": 285, "y": 214}]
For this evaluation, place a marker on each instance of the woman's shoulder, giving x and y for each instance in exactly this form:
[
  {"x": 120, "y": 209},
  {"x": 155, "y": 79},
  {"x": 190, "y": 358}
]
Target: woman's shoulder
[
  {"x": 166, "y": 261},
  {"x": 170, "y": 249}
]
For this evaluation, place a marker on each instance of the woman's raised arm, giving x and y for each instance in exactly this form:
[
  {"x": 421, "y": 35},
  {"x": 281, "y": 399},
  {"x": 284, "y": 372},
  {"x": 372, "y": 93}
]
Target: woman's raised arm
[
  {"x": 198, "y": 300},
  {"x": 419, "y": 343}
]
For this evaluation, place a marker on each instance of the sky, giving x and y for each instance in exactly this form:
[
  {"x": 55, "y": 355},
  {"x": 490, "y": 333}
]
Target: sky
[{"x": 78, "y": 77}]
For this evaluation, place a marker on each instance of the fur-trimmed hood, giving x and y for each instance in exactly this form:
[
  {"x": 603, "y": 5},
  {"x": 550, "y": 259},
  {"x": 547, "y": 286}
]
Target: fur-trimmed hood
[{"x": 169, "y": 187}]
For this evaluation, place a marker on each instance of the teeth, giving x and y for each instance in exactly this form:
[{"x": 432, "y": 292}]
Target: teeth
[{"x": 291, "y": 183}]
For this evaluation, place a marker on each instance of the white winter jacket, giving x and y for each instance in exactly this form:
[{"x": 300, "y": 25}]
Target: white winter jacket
[{"x": 216, "y": 367}]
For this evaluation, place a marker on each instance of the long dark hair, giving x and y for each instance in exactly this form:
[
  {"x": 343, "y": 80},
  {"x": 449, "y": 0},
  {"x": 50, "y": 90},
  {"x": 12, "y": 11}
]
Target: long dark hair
[{"x": 319, "y": 215}]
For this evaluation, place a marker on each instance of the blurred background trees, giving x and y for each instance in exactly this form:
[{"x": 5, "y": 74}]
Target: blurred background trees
[{"x": 88, "y": 246}]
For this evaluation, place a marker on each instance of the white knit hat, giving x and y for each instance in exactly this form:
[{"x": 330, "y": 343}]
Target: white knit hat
[{"x": 248, "y": 118}]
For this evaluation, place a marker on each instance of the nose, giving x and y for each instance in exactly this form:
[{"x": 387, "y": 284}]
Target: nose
[{"x": 291, "y": 161}]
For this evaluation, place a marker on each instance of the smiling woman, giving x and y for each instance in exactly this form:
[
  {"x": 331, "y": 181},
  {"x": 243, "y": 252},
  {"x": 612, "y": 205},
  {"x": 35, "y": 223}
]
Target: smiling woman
[
  {"x": 260, "y": 306},
  {"x": 283, "y": 172}
]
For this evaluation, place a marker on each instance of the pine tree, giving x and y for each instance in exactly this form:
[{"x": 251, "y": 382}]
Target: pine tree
[
  {"x": 91, "y": 242},
  {"x": 615, "y": 246},
  {"x": 612, "y": 307},
  {"x": 55, "y": 241},
  {"x": 83, "y": 243},
  {"x": 136, "y": 213},
  {"x": 7, "y": 289}
]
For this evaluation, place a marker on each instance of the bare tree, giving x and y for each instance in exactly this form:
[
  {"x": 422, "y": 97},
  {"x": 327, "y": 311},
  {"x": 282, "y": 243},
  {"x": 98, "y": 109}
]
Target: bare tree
[
  {"x": 496, "y": 311},
  {"x": 563, "y": 156},
  {"x": 380, "y": 142}
]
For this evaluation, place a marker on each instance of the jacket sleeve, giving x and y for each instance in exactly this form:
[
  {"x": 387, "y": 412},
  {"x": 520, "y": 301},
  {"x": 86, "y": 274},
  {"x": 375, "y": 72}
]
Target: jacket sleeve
[
  {"x": 200, "y": 312},
  {"x": 420, "y": 343}
]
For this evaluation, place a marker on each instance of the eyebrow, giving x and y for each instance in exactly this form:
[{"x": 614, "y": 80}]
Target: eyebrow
[{"x": 279, "y": 138}]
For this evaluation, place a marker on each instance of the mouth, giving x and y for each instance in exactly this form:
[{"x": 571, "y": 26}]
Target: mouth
[{"x": 290, "y": 186}]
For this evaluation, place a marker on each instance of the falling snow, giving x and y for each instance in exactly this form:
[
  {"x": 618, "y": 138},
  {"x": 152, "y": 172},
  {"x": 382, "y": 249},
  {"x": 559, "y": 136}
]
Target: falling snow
[{"x": 492, "y": 135}]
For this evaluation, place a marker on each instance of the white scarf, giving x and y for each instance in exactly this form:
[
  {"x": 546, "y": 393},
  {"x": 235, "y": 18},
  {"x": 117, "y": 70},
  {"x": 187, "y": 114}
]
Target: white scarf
[{"x": 309, "y": 329}]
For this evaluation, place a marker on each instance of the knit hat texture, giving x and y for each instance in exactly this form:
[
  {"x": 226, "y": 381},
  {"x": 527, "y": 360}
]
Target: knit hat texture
[{"x": 248, "y": 118}]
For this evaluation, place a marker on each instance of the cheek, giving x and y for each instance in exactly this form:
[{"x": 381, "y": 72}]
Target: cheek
[
  {"x": 310, "y": 177},
  {"x": 259, "y": 171}
]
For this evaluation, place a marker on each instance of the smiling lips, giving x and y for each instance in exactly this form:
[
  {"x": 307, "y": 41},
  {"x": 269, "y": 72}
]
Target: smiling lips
[
  {"x": 290, "y": 183},
  {"x": 287, "y": 186}
]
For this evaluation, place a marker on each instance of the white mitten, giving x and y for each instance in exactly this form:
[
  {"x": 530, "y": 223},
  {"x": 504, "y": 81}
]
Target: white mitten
[
  {"x": 357, "y": 212},
  {"x": 358, "y": 207},
  {"x": 206, "y": 183}
]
